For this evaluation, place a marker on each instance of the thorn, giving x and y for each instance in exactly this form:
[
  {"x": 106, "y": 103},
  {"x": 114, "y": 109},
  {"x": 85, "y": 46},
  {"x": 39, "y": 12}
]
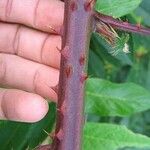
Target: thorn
[
  {"x": 73, "y": 6},
  {"x": 63, "y": 107},
  {"x": 65, "y": 51},
  {"x": 138, "y": 25},
  {"x": 55, "y": 88},
  {"x": 52, "y": 135},
  {"x": 58, "y": 49},
  {"x": 82, "y": 59},
  {"x": 52, "y": 29},
  {"x": 69, "y": 71},
  {"x": 83, "y": 77},
  {"x": 61, "y": 30},
  {"x": 88, "y": 5},
  {"x": 58, "y": 109},
  {"x": 60, "y": 134}
]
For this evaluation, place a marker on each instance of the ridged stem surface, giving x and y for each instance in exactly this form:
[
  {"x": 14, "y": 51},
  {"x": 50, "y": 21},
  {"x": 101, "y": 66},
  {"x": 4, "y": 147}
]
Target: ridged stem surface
[{"x": 74, "y": 54}]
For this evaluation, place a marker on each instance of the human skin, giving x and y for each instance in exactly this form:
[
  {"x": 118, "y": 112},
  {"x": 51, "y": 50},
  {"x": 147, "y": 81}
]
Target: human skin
[{"x": 29, "y": 59}]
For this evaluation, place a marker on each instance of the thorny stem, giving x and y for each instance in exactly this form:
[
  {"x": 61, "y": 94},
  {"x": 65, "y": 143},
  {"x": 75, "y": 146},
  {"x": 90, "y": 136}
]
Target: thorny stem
[
  {"x": 120, "y": 25},
  {"x": 74, "y": 54}
]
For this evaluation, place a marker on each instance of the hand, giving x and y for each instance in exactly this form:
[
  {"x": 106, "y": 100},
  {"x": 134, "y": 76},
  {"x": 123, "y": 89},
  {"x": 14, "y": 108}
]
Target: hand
[{"x": 29, "y": 59}]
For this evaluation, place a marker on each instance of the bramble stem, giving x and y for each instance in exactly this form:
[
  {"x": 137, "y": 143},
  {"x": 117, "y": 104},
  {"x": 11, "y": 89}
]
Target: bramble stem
[
  {"x": 74, "y": 54},
  {"x": 120, "y": 25},
  {"x": 75, "y": 45}
]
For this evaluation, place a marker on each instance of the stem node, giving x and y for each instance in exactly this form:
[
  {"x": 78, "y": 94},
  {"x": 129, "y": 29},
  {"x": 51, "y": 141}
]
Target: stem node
[
  {"x": 73, "y": 6},
  {"x": 59, "y": 135},
  {"x": 82, "y": 59},
  {"x": 83, "y": 77},
  {"x": 69, "y": 71},
  {"x": 88, "y": 5}
]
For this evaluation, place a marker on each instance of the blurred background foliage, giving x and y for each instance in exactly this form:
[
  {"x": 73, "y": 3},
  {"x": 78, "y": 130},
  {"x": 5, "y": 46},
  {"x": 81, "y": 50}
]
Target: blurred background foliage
[
  {"x": 133, "y": 67},
  {"x": 121, "y": 68}
]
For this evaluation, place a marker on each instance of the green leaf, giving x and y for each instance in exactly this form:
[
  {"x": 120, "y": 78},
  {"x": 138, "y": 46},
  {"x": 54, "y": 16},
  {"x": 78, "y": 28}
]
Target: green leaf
[
  {"x": 111, "y": 99},
  {"x": 103, "y": 64},
  {"x": 142, "y": 13},
  {"x": 19, "y": 136},
  {"x": 116, "y": 8},
  {"x": 140, "y": 71},
  {"x": 111, "y": 137}
]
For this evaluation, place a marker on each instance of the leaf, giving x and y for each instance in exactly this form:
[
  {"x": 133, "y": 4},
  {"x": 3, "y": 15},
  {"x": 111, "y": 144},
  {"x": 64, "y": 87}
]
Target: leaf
[
  {"x": 116, "y": 8},
  {"x": 102, "y": 63},
  {"x": 111, "y": 137},
  {"x": 140, "y": 71},
  {"x": 20, "y": 136},
  {"x": 111, "y": 99},
  {"x": 142, "y": 13}
]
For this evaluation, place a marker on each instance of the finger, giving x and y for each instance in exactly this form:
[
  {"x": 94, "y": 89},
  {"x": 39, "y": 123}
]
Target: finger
[
  {"x": 40, "y": 14},
  {"x": 19, "y": 73},
  {"x": 30, "y": 44},
  {"x": 21, "y": 106}
]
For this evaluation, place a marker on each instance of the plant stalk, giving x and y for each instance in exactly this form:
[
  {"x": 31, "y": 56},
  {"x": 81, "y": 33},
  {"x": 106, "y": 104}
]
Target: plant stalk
[
  {"x": 74, "y": 54},
  {"x": 120, "y": 25}
]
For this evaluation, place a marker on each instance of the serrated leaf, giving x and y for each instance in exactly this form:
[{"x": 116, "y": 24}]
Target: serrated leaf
[
  {"x": 111, "y": 137},
  {"x": 116, "y": 8},
  {"x": 140, "y": 71},
  {"x": 111, "y": 99},
  {"x": 142, "y": 13},
  {"x": 19, "y": 136}
]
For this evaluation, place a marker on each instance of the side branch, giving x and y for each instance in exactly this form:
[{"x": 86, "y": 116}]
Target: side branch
[{"x": 120, "y": 25}]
